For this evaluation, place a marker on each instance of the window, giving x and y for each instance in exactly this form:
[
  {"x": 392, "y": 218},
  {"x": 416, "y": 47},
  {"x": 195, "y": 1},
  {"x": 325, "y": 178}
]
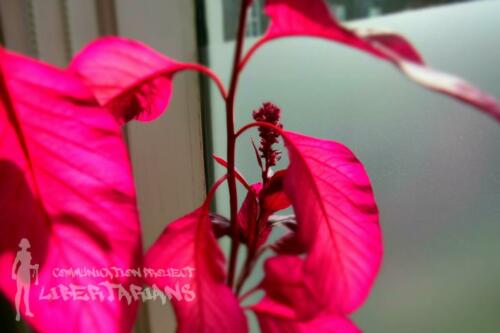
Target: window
[
  {"x": 436, "y": 179},
  {"x": 256, "y": 23}
]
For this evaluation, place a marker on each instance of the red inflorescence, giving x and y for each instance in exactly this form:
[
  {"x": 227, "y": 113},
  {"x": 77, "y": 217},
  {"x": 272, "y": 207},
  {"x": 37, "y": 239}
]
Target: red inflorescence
[{"x": 268, "y": 113}]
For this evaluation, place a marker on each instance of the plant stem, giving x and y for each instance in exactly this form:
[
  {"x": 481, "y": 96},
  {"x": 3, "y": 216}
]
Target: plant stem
[
  {"x": 254, "y": 254},
  {"x": 248, "y": 293},
  {"x": 207, "y": 71},
  {"x": 248, "y": 266},
  {"x": 258, "y": 124},
  {"x": 231, "y": 143},
  {"x": 247, "y": 269},
  {"x": 253, "y": 229}
]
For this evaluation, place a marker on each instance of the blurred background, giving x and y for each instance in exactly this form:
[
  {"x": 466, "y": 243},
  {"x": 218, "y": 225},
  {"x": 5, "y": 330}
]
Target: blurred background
[{"x": 434, "y": 163}]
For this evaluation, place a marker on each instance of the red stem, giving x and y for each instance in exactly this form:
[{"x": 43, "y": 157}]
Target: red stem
[
  {"x": 254, "y": 254},
  {"x": 231, "y": 143},
  {"x": 211, "y": 193},
  {"x": 168, "y": 72},
  {"x": 251, "y": 51},
  {"x": 208, "y": 72},
  {"x": 251, "y": 256},
  {"x": 248, "y": 293},
  {"x": 238, "y": 175},
  {"x": 258, "y": 124}
]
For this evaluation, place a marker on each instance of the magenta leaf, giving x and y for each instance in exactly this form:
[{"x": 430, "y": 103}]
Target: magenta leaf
[
  {"x": 67, "y": 188},
  {"x": 248, "y": 215},
  {"x": 337, "y": 221},
  {"x": 325, "y": 323},
  {"x": 259, "y": 205},
  {"x": 190, "y": 242},
  {"x": 272, "y": 196},
  {"x": 253, "y": 218},
  {"x": 288, "y": 305},
  {"x": 289, "y": 244},
  {"x": 312, "y": 18},
  {"x": 129, "y": 75},
  {"x": 287, "y": 293},
  {"x": 391, "y": 42}
]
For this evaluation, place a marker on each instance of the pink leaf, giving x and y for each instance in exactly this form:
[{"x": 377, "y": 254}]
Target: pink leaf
[
  {"x": 289, "y": 305},
  {"x": 312, "y": 18},
  {"x": 259, "y": 204},
  {"x": 390, "y": 42},
  {"x": 67, "y": 188},
  {"x": 289, "y": 18},
  {"x": 289, "y": 243},
  {"x": 253, "y": 219},
  {"x": 325, "y": 323},
  {"x": 287, "y": 292},
  {"x": 333, "y": 323},
  {"x": 248, "y": 215},
  {"x": 337, "y": 220},
  {"x": 190, "y": 242},
  {"x": 272, "y": 195},
  {"x": 129, "y": 75}
]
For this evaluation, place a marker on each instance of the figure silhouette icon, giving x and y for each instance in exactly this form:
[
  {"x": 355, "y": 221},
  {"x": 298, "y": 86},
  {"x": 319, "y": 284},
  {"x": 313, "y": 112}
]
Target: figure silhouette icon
[{"x": 22, "y": 270}]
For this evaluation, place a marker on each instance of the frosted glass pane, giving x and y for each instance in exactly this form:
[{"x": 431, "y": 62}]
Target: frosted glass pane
[{"x": 435, "y": 164}]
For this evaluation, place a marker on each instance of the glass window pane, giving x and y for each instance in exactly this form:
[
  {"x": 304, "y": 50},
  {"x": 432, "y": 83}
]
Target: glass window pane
[{"x": 434, "y": 162}]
